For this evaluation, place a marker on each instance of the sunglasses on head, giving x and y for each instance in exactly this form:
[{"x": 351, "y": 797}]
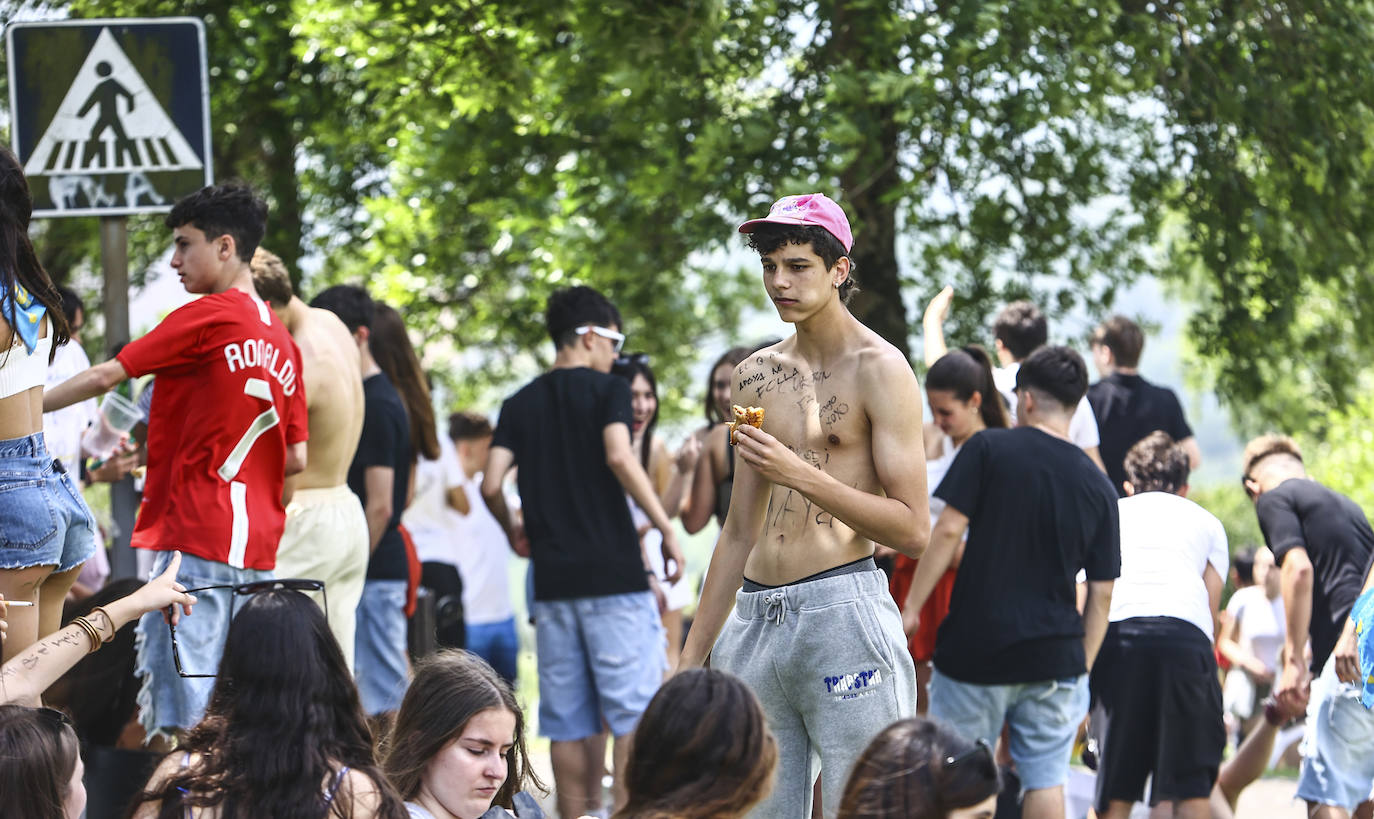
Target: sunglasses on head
[
  {"x": 617, "y": 339},
  {"x": 238, "y": 590},
  {"x": 981, "y": 748},
  {"x": 640, "y": 359},
  {"x": 54, "y": 717}
]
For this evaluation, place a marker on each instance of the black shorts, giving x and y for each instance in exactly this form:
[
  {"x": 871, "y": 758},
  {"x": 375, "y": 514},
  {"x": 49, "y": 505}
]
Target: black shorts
[{"x": 1156, "y": 709}]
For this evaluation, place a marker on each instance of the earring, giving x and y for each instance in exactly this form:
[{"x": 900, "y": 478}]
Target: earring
[{"x": 837, "y": 285}]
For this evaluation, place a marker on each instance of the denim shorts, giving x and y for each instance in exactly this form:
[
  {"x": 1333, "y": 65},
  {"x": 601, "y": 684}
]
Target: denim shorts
[
  {"x": 381, "y": 653},
  {"x": 1337, "y": 762},
  {"x": 43, "y": 519},
  {"x": 600, "y": 658},
  {"x": 167, "y": 700},
  {"x": 498, "y": 644},
  {"x": 1043, "y": 718}
]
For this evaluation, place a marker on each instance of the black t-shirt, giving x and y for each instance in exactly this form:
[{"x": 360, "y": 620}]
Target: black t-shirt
[
  {"x": 1039, "y": 510},
  {"x": 385, "y": 441},
  {"x": 582, "y": 540},
  {"x": 1128, "y": 408},
  {"x": 1336, "y": 534}
]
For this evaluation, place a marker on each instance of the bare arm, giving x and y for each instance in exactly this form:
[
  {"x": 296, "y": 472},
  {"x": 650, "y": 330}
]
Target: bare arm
[
  {"x": 88, "y": 383},
  {"x": 933, "y": 325},
  {"x": 676, "y": 473},
  {"x": 1212, "y": 580},
  {"x": 1095, "y": 610},
  {"x": 457, "y": 500},
  {"x": 1297, "y": 606},
  {"x": 378, "y": 482},
  {"x": 1190, "y": 446},
  {"x": 499, "y": 462},
  {"x": 28, "y": 674},
  {"x": 748, "y": 507},
  {"x": 1346, "y": 650},
  {"x": 621, "y": 458},
  {"x": 944, "y": 542},
  {"x": 295, "y": 458},
  {"x": 899, "y": 518},
  {"x": 702, "y": 502}
]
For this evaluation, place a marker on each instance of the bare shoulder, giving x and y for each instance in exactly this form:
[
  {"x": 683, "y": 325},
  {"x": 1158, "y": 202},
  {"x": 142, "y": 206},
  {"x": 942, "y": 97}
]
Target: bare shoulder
[
  {"x": 362, "y": 792},
  {"x": 881, "y": 366}
]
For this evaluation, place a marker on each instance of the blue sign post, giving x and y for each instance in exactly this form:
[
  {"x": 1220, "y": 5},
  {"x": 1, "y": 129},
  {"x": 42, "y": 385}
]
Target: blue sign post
[{"x": 110, "y": 117}]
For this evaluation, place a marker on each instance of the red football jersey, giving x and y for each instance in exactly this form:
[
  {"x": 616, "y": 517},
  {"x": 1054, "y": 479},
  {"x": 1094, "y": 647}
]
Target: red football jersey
[{"x": 228, "y": 400}]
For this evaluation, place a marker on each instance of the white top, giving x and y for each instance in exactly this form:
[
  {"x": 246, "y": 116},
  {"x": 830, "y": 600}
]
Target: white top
[
  {"x": 62, "y": 428},
  {"x": 1083, "y": 424},
  {"x": 21, "y": 370},
  {"x": 1166, "y": 544},
  {"x": 427, "y": 518},
  {"x": 678, "y": 594},
  {"x": 935, "y": 472},
  {"x": 484, "y": 557},
  {"x": 1262, "y": 624}
]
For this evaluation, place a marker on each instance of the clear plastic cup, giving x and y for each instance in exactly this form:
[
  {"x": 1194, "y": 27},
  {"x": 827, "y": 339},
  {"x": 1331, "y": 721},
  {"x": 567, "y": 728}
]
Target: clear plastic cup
[{"x": 117, "y": 416}]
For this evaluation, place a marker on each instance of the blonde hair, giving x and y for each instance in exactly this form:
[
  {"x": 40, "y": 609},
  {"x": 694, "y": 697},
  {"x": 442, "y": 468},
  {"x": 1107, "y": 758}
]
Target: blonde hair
[
  {"x": 1266, "y": 445},
  {"x": 270, "y": 278}
]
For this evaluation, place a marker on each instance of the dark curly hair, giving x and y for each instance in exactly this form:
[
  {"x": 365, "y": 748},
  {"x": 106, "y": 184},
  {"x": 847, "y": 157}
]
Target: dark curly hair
[
  {"x": 283, "y": 719},
  {"x": 702, "y": 751},
  {"x": 767, "y": 238},
  {"x": 1157, "y": 464}
]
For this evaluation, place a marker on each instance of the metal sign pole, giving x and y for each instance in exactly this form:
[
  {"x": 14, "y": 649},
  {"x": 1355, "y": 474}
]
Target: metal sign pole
[{"x": 114, "y": 263}]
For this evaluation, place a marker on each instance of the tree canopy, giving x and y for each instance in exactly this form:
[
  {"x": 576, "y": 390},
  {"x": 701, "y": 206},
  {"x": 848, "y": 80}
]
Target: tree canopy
[{"x": 465, "y": 158}]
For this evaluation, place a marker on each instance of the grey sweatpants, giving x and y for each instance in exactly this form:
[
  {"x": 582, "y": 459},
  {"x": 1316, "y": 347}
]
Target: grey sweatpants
[{"x": 828, "y": 660}]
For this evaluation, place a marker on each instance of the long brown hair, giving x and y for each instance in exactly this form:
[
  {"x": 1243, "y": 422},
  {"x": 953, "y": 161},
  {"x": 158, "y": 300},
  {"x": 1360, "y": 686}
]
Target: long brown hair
[
  {"x": 449, "y": 688},
  {"x": 731, "y": 357},
  {"x": 706, "y": 751},
  {"x": 918, "y": 769},
  {"x": 965, "y": 371},
  {"x": 19, "y": 263},
  {"x": 39, "y": 757},
  {"x": 282, "y": 720},
  {"x": 393, "y": 352}
]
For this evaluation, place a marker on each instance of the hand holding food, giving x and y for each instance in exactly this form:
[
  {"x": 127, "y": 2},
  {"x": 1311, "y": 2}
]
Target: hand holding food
[{"x": 753, "y": 416}]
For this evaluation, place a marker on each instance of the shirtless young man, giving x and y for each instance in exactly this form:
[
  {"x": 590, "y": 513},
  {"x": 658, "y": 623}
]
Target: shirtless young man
[
  {"x": 838, "y": 465},
  {"x": 326, "y": 531}
]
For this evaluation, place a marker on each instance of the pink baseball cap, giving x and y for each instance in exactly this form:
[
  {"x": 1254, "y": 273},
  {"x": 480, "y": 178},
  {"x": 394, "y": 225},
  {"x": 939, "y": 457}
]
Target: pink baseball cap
[{"x": 807, "y": 209}]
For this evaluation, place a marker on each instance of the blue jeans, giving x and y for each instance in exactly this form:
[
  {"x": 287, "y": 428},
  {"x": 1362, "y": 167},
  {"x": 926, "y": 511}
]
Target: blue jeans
[
  {"x": 498, "y": 644},
  {"x": 169, "y": 701},
  {"x": 599, "y": 658},
  {"x": 43, "y": 519},
  {"x": 1337, "y": 761},
  {"x": 383, "y": 664},
  {"x": 1043, "y": 718}
]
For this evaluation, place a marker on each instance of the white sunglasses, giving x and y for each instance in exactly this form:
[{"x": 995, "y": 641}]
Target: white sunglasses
[{"x": 616, "y": 338}]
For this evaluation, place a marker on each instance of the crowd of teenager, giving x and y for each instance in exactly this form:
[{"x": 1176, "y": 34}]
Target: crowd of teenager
[{"x": 898, "y": 620}]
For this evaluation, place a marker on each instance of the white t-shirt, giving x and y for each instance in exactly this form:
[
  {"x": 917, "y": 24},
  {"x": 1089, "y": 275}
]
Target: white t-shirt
[
  {"x": 1166, "y": 544},
  {"x": 1083, "y": 424},
  {"x": 429, "y": 517},
  {"x": 935, "y": 472},
  {"x": 1262, "y": 624},
  {"x": 62, "y": 429},
  {"x": 483, "y": 559}
]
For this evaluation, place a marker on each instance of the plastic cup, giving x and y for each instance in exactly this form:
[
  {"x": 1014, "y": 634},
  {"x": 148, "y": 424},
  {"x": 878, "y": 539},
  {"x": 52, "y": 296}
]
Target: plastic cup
[{"x": 117, "y": 416}]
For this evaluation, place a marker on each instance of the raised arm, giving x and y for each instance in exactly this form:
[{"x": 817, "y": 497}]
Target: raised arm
[
  {"x": 900, "y": 517},
  {"x": 88, "y": 383},
  {"x": 28, "y": 674},
  {"x": 933, "y": 325}
]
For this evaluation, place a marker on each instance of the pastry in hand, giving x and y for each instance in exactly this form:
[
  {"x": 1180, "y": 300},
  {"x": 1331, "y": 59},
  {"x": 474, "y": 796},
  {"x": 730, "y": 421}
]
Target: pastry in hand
[{"x": 753, "y": 416}]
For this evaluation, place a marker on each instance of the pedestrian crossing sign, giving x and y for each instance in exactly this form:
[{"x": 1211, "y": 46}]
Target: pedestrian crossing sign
[{"x": 110, "y": 116}]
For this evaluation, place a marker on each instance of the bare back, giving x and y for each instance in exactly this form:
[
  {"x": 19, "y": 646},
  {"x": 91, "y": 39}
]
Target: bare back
[
  {"x": 820, "y": 411},
  {"x": 334, "y": 395},
  {"x": 21, "y": 414}
]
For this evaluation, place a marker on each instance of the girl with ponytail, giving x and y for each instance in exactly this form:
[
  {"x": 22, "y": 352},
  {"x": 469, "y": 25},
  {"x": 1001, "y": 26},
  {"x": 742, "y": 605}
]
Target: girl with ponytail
[{"x": 963, "y": 401}]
